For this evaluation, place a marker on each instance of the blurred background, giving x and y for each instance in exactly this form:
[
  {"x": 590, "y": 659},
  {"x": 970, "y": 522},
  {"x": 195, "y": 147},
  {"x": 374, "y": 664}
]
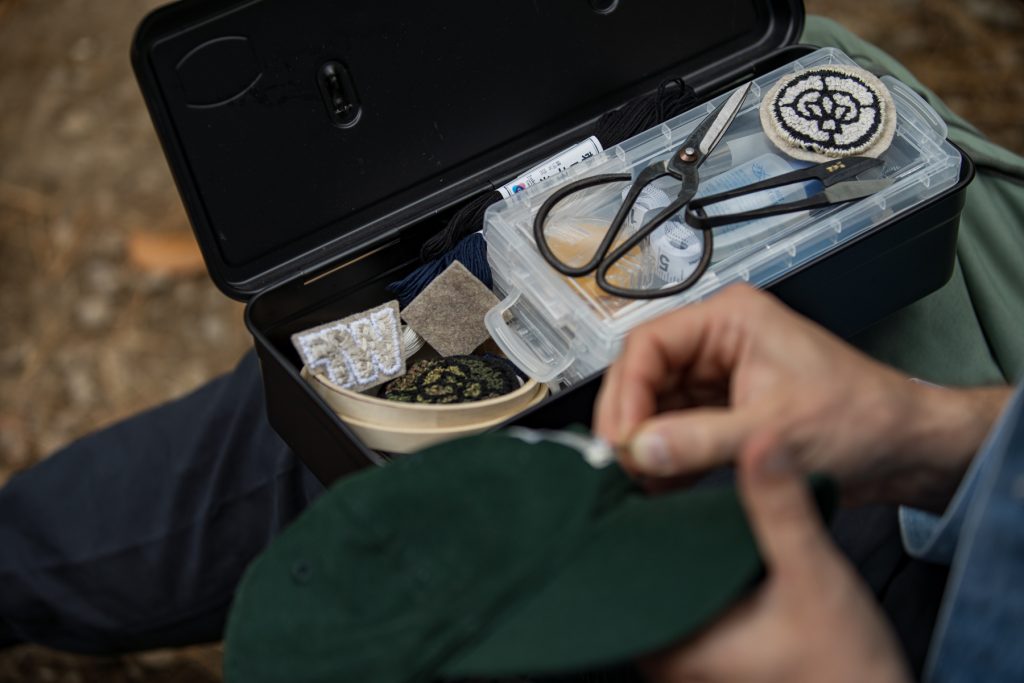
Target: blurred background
[{"x": 106, "y": 307}]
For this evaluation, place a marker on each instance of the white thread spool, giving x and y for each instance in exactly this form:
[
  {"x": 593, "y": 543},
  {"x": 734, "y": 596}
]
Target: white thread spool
[
  {"x": 676, "y": 247},
  {"x": 411, "y": 342}
]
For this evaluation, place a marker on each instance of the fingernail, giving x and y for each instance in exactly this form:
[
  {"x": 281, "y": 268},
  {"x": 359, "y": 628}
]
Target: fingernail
[{"x": 650, "y": 453}]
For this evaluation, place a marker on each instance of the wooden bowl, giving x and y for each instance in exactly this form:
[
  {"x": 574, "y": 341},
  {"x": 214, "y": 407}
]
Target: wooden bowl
[
  {"x": 400, "y": 439},
  {"x": 370, "y": 410}
]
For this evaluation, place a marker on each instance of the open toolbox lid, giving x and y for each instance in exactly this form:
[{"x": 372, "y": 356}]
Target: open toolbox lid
[{"x": 299, "y": 133}]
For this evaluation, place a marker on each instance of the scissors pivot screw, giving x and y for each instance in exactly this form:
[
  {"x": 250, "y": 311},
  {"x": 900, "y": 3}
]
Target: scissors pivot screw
[{"x": 688, "y": 154}]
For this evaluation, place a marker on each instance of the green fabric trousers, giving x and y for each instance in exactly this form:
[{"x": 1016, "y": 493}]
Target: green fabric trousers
[{"x": 971, "y": 331}]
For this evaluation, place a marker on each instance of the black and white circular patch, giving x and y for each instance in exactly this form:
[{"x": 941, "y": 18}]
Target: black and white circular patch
[{"x": 829, "y": 112}]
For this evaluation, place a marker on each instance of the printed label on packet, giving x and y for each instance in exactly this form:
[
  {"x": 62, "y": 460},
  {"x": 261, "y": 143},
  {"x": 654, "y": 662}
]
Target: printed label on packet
[{"x": 553, "y": 166}]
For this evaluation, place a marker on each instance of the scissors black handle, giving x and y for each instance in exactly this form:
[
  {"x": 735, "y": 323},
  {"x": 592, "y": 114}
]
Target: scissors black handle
[
  {"x": 828, "y": 173},
  {"x": 647, "y": 176},
  {"x": 635, "y": 239},
  {"x": 602, "y": 261},
  {"x": 682, "y": 165},
  {"x": 697, "y": 218},
  {"x": 560, "y": 194}
]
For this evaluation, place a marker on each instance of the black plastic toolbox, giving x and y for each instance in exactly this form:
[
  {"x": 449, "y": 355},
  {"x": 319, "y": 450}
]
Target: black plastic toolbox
[{"x": 307, "y": 209}]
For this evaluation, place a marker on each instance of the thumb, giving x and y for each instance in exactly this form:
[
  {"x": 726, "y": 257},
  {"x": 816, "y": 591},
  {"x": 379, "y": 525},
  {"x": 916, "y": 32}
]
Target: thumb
[
  {"x": 687, "y": 441},
  {"x": 781, "y": 511}
]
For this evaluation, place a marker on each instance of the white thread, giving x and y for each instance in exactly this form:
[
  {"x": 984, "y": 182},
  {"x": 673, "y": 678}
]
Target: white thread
[
  {"x": 411, "y": 342},
  {"x": 597, "y": 452}
]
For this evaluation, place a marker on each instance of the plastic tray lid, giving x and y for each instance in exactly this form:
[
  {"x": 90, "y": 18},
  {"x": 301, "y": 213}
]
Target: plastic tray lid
[
  {"x": 302, "y": 133},
  {"x": 558, "y": 328}
]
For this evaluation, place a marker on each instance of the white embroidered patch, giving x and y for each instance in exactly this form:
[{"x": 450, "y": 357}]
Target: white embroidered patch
[
  {"x": 829, "y": 112},
  {"x": 357, "y": 352}
]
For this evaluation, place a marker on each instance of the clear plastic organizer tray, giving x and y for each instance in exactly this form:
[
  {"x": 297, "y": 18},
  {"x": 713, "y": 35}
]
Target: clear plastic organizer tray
[{"x": 560, "y": 330}]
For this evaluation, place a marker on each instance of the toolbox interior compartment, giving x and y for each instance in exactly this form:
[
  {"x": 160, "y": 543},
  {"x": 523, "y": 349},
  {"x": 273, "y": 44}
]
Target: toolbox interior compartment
[{"x": 846, "y": 291}]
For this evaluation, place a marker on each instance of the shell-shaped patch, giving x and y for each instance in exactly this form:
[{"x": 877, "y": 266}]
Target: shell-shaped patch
[{"x": 829, "y": 112}]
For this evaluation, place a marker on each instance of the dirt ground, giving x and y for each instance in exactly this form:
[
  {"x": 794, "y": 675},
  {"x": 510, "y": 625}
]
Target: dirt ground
[{"x": 106, "y": 306}]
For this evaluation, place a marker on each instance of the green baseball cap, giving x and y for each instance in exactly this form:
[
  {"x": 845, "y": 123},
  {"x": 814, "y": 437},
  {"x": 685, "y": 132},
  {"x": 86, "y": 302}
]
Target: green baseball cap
[{"x": 487, "y": 557}]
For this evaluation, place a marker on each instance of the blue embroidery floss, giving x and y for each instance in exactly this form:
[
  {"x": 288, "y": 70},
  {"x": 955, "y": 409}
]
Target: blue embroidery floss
[{"x": 471, "y": 251}]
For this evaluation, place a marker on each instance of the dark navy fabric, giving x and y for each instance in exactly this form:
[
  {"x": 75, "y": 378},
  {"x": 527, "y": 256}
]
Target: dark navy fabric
[{"x": 135, "y": 536}]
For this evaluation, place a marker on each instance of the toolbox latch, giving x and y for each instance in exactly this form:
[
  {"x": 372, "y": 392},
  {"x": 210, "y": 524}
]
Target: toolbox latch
[{"x": 339, "y": 94}]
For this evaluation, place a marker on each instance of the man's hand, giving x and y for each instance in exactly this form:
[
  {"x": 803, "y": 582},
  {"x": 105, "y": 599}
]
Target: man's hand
[
  {"x": 693, "y": 385},
  {"x": 811, "y": 619}
]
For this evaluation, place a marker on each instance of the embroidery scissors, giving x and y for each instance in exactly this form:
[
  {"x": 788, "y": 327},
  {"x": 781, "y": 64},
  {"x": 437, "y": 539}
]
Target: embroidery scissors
[
  {"x": 681, "y": 165},
  {"x": 837, "y": 177}
]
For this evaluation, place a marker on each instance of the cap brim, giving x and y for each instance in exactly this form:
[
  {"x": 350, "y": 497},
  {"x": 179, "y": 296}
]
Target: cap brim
[{"x": 654, "y": 571}]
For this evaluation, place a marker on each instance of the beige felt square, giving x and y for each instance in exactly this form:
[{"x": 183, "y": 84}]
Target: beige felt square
[
  {"x": 357, "y": 352},
  {"x": 449, "y": 313}
]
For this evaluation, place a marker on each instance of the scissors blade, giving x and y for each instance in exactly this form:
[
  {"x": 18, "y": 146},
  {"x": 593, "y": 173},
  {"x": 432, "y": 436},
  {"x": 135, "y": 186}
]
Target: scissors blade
[
  {"x": 713, "y": 127},
  {"x": 854, "y": 189}
]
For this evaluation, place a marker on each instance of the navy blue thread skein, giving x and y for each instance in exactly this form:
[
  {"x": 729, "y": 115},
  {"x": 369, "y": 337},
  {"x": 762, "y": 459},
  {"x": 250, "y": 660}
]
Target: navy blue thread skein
[{"x": 471, "y": 252}]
